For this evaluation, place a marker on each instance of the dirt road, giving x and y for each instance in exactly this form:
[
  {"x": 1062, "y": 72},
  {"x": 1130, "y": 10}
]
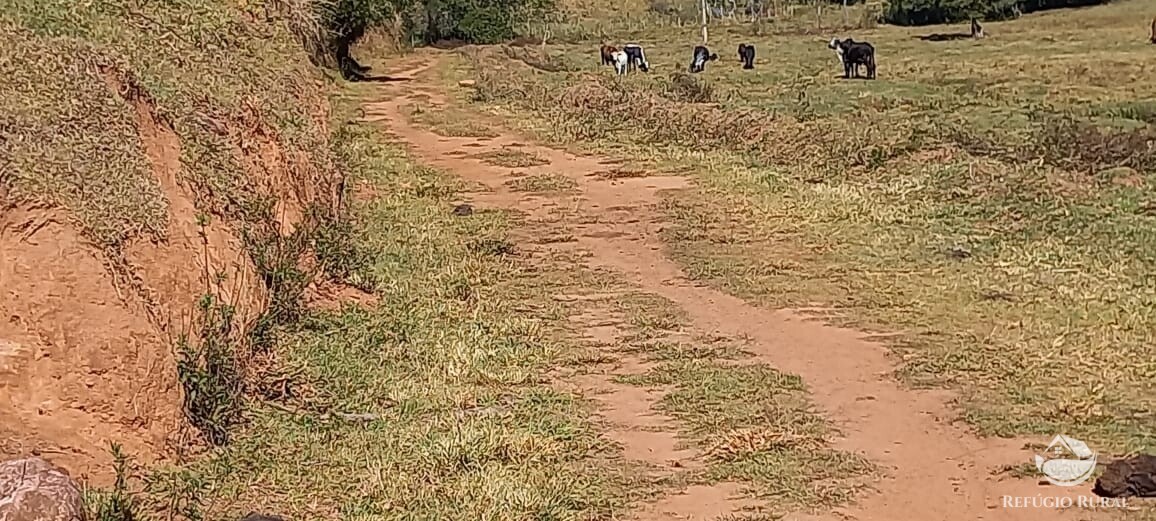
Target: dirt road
[{"x": 935, "y": 468}]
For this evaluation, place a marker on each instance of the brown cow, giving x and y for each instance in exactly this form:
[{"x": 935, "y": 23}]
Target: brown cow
[
  {"x": 607, "y": 52},
  {"x": 1152, "y": 36}
]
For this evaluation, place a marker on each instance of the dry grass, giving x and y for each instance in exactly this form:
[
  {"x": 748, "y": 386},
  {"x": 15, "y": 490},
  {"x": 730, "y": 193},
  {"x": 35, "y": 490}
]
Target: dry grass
[
  {"x": 622, "y": 173},
  {"x": 210, "y": 73},
  {"x": 511, "y": 158},
  {"x": 988, "y": 198},
  {"x": 542, "y": 183},
  {"x": 751, "y": 423},
  {"x": 447, "y": 123}
]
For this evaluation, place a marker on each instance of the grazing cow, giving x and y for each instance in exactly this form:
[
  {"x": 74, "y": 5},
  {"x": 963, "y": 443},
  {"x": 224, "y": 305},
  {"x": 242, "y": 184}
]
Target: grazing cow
[
  {"x": 700, "y": 57},
  {"x": 747, "y": 55},
  {"x": 852, "y": 54},
  {"x": 607, "y": 52},
  {"x": 636, "y": 57},
  {"x": 976, "y": 29},
  {"x": 620, "y": 60}
]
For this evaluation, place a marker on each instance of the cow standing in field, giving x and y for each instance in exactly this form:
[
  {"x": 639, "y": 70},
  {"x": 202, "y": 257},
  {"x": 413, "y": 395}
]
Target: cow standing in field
[
  {"x": 700, "y": 57},
  {"x": 747, "y": 55},
  {"x": 607, "y": 52},
  {"x": 620, "y": 60},
  {"x": 976, "y": 29},
  {"x": 852, "y": 54},
  {"x": 1152, "y": 35},
  {"x": 635, "y": 57}
]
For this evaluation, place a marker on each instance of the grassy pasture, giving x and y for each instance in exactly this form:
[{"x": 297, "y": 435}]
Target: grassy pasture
[{"x": 988, "y": 199}]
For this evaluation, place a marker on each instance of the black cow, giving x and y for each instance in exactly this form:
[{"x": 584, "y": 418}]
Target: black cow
[
  {"x": 700, "y": 57},
  {"x": 747, "y": 55},
  {"x": 635, "y": 56},
  {"x": 853, "y": 54}
]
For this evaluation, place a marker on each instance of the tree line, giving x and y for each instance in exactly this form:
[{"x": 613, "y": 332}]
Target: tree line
[
  {"x": 430, "y": 21},
  {"x": 926, "y": 12},
  {"x": 493, "y": 21}
]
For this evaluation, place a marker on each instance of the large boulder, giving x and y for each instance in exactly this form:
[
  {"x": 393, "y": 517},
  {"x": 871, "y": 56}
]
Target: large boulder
[
  {"x": 1129, "y": 477},
  {"x": 253, "y": 516},
  {"x": 32, "y": 489}
]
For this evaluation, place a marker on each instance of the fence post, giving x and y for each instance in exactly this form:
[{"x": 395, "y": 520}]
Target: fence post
[{"x": 703, "y": 4}]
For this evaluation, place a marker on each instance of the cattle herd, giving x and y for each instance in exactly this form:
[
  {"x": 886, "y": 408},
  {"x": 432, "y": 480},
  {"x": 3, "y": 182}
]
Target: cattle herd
[{"x": 852, "y": 55}]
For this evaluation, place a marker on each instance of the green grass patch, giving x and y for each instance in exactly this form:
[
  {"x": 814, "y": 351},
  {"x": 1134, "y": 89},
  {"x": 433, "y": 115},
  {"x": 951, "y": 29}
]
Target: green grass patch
[{"x": 989, "y": 203}]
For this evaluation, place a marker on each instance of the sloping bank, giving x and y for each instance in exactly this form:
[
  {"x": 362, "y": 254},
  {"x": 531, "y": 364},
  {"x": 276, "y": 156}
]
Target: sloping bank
[{"x": 167, "y": 196}]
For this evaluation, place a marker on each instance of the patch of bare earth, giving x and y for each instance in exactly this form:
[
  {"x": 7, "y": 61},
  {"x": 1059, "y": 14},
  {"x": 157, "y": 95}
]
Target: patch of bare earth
[
  {"x": 935, "y": 468},
  {"x": 87, "y": 335},
  {"x": 83, "y": 366}
]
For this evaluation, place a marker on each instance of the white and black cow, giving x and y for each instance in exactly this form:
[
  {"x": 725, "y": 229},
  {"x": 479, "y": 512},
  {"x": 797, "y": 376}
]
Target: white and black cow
[
  {"x": 852, "y": 54},
  {"x": 620, "y": 60},
  {"x": 700, "y": 57},
  {"x": 635, "y": 57}
]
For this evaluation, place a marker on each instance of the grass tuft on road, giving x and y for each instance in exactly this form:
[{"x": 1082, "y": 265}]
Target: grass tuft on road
[
  {"x": 542, "y": 183},
  {"x": 750, "y": 423},
  {"x": 512, "y": 158}
]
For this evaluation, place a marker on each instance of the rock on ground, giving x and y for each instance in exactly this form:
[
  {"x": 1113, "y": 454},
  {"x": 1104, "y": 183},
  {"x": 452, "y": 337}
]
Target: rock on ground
[
  {"x": 32, "y": 489},
  {"x": 1129, "y": 477}
]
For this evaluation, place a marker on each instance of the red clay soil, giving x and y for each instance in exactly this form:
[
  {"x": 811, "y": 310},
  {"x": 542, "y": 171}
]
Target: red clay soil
[
  {"x": 87, "y": 339},
  {"x": 936, "y": 469},
  {"x": 81, "y": 366}
]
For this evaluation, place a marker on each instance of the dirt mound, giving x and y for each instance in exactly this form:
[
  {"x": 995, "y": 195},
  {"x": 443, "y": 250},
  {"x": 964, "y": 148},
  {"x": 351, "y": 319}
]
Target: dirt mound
[
  {"x": 82, "y": 365},
  {"x": 89, "y": 334}
]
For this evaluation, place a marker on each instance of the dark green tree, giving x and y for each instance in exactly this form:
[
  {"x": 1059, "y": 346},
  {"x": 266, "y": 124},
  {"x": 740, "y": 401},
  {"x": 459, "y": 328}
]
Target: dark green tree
[
  {"x": 480, "y": 21},
  {"x": 347, "y": 22},
  {"x": 927, "y": 12},
  {"x": 467, "y": 21}
]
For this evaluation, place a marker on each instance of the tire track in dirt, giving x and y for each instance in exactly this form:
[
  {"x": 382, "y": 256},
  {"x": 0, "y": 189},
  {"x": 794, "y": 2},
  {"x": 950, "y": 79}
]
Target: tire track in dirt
[
  {"x": 936, "y": 468},
  {"x": 645, "y": 434}
]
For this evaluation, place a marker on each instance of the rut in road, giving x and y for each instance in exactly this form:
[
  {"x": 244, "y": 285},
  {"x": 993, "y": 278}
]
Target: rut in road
[{"x": 936, "y": 469}]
